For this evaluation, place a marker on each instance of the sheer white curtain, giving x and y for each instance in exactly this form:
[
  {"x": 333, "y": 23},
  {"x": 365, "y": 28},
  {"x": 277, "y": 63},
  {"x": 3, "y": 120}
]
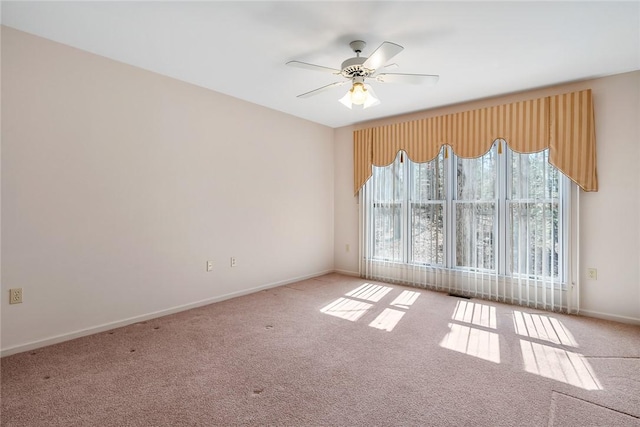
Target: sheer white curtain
[{"x": 495, "y": 227}]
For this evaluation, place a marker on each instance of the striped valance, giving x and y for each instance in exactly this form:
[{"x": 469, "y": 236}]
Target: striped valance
[{"x": 562, "y": 123}]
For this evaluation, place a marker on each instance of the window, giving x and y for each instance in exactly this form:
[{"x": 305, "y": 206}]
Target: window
[
  {"x": 499, "y": 214},
  {"x": 427, "y": 211},
  {"x": 476, "y": 211},
  {"x": 388, "y": 202},
  {"x": 535, "y": 214}
]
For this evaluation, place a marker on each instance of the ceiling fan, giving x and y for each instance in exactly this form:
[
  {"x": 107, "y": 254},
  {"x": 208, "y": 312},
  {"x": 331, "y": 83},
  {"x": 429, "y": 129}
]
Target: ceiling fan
[{"x": 359, "y": 68}]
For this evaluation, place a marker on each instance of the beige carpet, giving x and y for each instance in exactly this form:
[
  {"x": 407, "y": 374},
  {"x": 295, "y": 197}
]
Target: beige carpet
[
  {"x": 567, "y": 411},
  {"x": 335, "y": 350}
]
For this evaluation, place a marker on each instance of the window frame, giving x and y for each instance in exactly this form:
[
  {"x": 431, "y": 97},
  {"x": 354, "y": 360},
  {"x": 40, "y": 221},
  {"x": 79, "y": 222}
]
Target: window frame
[{"x": 502, "y": 225}]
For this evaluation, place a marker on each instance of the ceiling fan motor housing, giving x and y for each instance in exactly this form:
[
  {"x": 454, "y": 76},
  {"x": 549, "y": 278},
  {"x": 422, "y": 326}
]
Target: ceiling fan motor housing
[{"x": 352, "y": 67}]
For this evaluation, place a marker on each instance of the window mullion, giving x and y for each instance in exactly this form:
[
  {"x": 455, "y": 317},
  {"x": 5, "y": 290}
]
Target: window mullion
[
  {"x": 450, "y": 183},
  {"x": 564, "y": 230},
  {"x": 504, "y": 171},
  {"x": 406, "y": 211}
]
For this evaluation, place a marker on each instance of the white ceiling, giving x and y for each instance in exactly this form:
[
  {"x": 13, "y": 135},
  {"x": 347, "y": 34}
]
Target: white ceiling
[{"x": 479, "y": 49}]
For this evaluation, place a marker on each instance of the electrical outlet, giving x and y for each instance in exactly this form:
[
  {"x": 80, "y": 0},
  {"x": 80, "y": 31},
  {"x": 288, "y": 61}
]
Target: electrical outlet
[
  {"x": 233, "y": 261},
  {"x": 209, "y": 265},
  {"x": 592, "y": 273},
  {"x": 15, "y": 296}
]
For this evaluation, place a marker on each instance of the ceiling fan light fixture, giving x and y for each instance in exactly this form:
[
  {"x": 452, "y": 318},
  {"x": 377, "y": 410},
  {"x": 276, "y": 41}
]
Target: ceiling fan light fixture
[
  {"x": 346, "y": 99},
  {"x": 359, "y": 94}
]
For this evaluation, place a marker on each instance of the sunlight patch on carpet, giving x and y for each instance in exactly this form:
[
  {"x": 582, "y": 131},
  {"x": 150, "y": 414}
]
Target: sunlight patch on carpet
[
  {"x": 387, "y": 320},
  {"x": 473, "y": 342},
  {"x": 346, "y": 308},
  {"x": 352, "y": 306},
  {"x": 475, "y": 314},
  {"x": 542, "y": 327},
  {"x": 369, "y": 292},
  {"x": 558, "y": 364},
  {"x": 406, "y": 299}
]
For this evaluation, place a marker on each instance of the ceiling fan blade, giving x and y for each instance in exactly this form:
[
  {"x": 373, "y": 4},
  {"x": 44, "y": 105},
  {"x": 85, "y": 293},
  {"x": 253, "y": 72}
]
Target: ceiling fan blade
[
  {"x": 313, "y": 67},
  {"x": 382, "y": 55},
  {"x": 414, "y": 79},
  {"x": 321, "y": 89}
]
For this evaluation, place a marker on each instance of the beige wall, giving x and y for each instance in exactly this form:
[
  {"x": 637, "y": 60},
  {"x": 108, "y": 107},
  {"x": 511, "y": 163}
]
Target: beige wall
[
  {"x": 119, "y": 184},
  {"x": 609, "y": 219}
]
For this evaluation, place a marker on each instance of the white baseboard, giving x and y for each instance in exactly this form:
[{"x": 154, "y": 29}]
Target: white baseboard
[
  {"x": 347, "y": 273},
  {"x": 148, "y": 316},
  {"x": 120, "y": 323},
  {"x": 607, "y": 316}
]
